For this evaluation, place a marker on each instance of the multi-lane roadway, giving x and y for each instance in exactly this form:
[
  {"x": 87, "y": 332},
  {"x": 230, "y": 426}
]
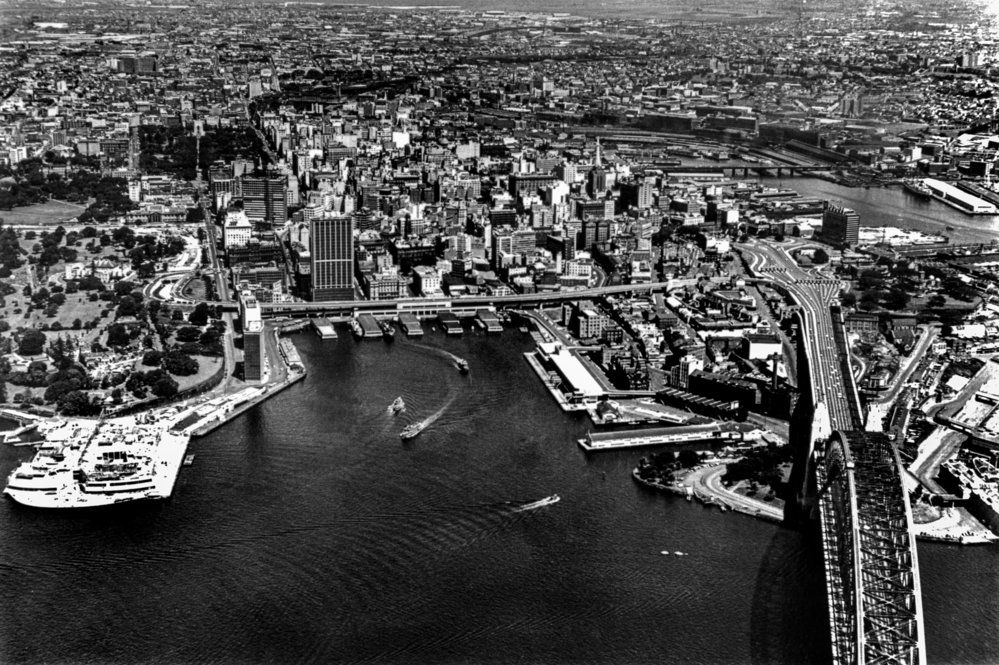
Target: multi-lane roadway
[{"x": 814, "y": 294}]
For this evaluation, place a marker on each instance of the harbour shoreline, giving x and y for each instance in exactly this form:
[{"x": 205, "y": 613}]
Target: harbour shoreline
[
  {"x": 53, "y": 484},
  {"x": 706, "y": 497},
  {"x": 229, "y": 416}
]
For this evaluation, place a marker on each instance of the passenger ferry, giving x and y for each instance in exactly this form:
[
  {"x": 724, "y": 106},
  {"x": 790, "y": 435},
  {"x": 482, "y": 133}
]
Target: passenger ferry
[
  {"x": 356, "y": 328},
  {"x": 413, "y": 431}
]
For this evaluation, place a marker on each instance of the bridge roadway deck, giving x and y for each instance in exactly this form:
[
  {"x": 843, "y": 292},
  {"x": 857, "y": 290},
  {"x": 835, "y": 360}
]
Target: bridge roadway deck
[
  {"x": 872, "y": 574},
  {"x": 814, "y": 295}
]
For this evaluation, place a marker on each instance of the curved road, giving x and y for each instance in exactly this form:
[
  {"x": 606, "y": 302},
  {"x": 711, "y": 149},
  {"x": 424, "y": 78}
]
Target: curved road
[
  {"x": 706, "y": 483},
  {"x": 814, "y": 296}
]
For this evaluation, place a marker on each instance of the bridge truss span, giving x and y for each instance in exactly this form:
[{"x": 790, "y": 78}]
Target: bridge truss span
[
  {"x": 837, "y": 521},
  {"x": 872, "y": 575}
]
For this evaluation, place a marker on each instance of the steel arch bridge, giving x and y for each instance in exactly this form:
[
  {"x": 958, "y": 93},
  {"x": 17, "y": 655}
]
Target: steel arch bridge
[{"x": 872, "y": 575}]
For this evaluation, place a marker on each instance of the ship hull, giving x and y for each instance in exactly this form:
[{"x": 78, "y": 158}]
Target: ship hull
[
  {"x": 76, "y": 501},
  {"x": 917, "y": 191}
]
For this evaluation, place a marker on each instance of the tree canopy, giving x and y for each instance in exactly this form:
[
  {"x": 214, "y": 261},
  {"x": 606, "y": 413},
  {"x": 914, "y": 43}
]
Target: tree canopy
[{"x": 31, "y": 343}]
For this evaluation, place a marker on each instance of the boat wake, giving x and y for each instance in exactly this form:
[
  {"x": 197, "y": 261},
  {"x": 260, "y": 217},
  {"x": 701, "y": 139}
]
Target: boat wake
[
  {"x": 540, "y": 503},
  {"x": 398, "y": 406},
  {"x": 412, "y": 431},
  {"x": 437, "y": 414},
  {"x": 457, "y": 361}
]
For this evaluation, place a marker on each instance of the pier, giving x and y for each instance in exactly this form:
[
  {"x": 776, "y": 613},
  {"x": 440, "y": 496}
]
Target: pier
[
  {"x": 324, "y": 328},
  {"x": 410, "y": 324},
  {"x": 20, "y": 417},
  {"x": 27, "y": 422},
  {"x": 488, "y": 320},
  {"x": 959, "y": 198},
  {"x": 664, "y": 436},
  {"x": 233, "y": 406},
  {"x": 451, "y": 323},
  {"x": 369, "y": 326},
  {"x": 172, "y": 451},
  {"x": 552, "y": 384}
]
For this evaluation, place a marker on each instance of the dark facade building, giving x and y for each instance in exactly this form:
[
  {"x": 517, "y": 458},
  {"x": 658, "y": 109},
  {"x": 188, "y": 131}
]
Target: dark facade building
[
  {"x": 724, "y": 387},
  {"x": 561, "y": 245},
  {"x": 595, "y": 232},
  {"x": 587, "y": 209},
  {"x": 840, "y": 226},
  {"x": 409, "y": 255},
  {"x": 529, "y": 184},
  {"x": 331, "y": 251},
  {"x": 637, "y": 194},
  {"x": 140, "y": 64},
  {"x": 264, "y": 198},
  {"x": 252, "y": 355},
  {"x": 254, "y": 251},
  {"x": 596, "y": 181},
  {"x": 503, "y": 217}
]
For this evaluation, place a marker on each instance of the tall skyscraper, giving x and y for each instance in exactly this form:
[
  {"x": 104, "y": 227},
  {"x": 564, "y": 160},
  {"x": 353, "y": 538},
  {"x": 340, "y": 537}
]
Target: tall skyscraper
[
  {"x": 265, "y": 198},
  {"x": 253, "y": 342},
  {"x": 840, "y": 226},
  {"x": 595, "y": 232},
  {"x": 566, "y": 172},
  {"x": 637, "y": 194},
  {"x": 331, "y": 246},
  {"x": 596, "y": 182}
]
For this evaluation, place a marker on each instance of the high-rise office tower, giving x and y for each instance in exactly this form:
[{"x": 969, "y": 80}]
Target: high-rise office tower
[
  {"x": 331, "y": 246},
  {"x": 265, "y": 198},
  {"x": 637, "y": 194},
  {"x": 253, "y": 341},
  {"x": 595, "y": 232},
  {"x": 840, "y": 226},
  {"x": 596, "y": 182}
]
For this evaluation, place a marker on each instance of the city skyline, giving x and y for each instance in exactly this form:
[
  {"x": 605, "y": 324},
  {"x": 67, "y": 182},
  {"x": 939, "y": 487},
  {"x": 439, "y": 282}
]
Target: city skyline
[{"x": 418, "y": 333}]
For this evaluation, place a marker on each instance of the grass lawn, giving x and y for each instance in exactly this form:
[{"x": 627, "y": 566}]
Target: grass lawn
[
  {"x": 207, "y": 365},
  {"x": 920, "y": 303},
  {"x": 194, "y": 289},
  {"x": 72, "y": 309},
  {"x": 13, "y": 389},
  {"x": 50, "y": 212},
  {"x": 83, "y": 255}
]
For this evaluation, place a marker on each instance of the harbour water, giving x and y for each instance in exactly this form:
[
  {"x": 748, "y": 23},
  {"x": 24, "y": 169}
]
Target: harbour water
[
  {"x": 307, "y": 532},
  {"x": 885, "y": 206},
  {"x": 892, "y": 206}
]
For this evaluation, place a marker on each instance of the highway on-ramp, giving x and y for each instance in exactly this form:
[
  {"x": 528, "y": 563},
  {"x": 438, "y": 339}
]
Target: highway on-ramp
[{"x": 814, "y": 296}]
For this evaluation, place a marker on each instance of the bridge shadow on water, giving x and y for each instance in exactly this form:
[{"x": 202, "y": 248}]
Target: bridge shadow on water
[
  {"x": 790, "y": 617},
  {"x": 790, "y": 612}
]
